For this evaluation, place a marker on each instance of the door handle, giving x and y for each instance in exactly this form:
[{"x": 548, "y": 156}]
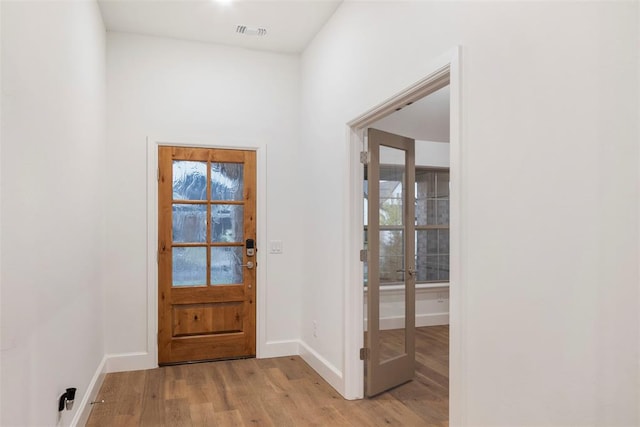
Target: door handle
[
  {"x": 411, "y": 271},
  {"x": 249, "y": 265}
]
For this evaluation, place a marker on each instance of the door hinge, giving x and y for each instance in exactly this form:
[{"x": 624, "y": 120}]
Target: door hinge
[
  {"x": 365, "y": 157},
  {"x": 364, "y": 353},
  {"x": 363, "y": 255},
  {"x": 158, "y": 174}
]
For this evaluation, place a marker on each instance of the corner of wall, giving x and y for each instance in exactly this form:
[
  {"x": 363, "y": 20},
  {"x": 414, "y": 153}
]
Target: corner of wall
[
  {"x": 135, "y": 361},
  {"x": 322, "y": 366},
  {"x": 278, "y": 349},
  {"x": 84, "y": 409}
]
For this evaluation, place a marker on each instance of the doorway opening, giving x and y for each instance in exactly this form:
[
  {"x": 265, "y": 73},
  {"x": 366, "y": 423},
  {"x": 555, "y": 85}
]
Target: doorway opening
[{"x": 436, "y": 258}]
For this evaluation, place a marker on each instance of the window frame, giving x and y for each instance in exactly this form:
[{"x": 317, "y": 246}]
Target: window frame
[{"x": 421, "y": 283}]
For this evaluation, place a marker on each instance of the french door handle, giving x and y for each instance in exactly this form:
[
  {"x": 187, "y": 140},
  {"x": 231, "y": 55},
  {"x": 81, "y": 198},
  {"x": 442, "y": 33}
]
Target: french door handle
[
  {"x": 249, "y": 265},
  {"x": 411, "y": 271}
]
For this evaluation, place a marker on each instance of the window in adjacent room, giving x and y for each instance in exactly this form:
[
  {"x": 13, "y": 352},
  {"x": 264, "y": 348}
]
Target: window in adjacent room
[{"x": 431, "y": 223}]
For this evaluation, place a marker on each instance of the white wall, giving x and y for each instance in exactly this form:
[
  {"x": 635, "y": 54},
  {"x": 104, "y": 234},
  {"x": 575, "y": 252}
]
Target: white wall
[
  {"x": 170, "y": 89},
  {"x": 53, "y": 146},
  {"x": 432, "y": 154},
  {"x": 550, "y": 197},
  {"x": 427, "y": 153}
]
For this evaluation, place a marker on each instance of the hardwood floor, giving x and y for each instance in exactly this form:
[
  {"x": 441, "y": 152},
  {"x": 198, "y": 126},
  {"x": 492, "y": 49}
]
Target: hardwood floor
[{"x": 282, "y": 391}]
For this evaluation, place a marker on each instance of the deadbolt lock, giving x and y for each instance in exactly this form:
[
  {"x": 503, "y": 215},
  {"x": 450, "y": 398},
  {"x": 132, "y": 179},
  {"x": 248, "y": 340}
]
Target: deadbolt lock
[{"x": 250, "y": 244}]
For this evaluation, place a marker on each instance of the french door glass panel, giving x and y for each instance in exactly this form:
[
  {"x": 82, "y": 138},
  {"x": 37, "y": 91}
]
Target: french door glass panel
[{"x": 392, "y": 195}]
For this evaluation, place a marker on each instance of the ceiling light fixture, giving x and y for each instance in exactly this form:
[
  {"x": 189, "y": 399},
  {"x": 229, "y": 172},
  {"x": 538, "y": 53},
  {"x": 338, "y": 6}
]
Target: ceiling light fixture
[{"x": 251, "y": 31}]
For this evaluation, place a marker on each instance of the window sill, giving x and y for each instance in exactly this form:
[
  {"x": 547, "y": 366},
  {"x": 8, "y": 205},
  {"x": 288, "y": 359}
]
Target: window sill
[{"x": 439, "y": 285}]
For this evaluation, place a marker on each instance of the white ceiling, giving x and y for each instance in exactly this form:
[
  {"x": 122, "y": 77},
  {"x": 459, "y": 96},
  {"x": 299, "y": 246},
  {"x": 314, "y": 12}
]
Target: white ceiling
[
  {"x": 426, "y": 119},
  {"x": 290, "y": 24}
]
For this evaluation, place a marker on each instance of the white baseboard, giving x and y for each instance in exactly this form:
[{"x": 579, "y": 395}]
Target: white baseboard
[
  {"x": 326, "y": 370},
  {"x": 432, "y": 319},
  {"x": 84, "y": 408},
  {"x": 279, "y": 349},
  {"x": 142, "y": 360},
  {"x": 130, "y": 362}
]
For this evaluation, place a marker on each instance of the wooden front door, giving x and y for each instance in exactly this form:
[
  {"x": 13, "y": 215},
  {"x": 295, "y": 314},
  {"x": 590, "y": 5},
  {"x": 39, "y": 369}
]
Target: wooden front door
[{"x": 206, "y": 256}]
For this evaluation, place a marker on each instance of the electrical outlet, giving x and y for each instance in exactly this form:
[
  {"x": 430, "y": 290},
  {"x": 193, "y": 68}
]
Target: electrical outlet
[{"x": 315, "y": 329}]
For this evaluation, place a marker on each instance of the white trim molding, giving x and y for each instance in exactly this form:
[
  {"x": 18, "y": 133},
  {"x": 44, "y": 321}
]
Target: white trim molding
[
  {"x": 84, "y": 408},
  {"x": 443, "y": 71},
  {"x": 426, "y": 319},
  {"x": 135, "y": 361},
  {"x": 280, "y": 349},
  {"x": 322, "y": 366}
]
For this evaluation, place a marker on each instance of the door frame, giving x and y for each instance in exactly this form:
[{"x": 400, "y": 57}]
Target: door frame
[
  {"x": 442, "y": 71},
  {"x": 151, "y": 355}
]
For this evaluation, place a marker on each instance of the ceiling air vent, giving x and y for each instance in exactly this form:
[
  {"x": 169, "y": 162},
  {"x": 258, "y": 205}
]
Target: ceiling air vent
[{"x": 251, "y": 31}]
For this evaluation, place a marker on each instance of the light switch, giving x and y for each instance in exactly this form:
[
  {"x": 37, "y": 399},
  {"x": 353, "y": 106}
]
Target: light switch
[{"x": 275, "y": 246}]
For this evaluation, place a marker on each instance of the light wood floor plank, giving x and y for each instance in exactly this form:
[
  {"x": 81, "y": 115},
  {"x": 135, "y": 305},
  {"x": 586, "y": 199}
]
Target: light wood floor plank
[
  {"x": 202, "y": 414},
  {"x": 277, "y": 392},
  {"x": 152, "y": 412},
  {"x": 228, "y": 418}
]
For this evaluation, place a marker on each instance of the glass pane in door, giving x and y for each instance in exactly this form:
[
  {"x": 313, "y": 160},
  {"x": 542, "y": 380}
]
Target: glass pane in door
[
  {"x": 189, "y": 223},
  {"x": 227, "y": 181},
  {"x": 226, "y": 265},
  {"x": 189, "y": 266},
  {"x": 189, "y": 180},
  {"x": 392, "y": 196},
  {"x": 227, "y": 222}
]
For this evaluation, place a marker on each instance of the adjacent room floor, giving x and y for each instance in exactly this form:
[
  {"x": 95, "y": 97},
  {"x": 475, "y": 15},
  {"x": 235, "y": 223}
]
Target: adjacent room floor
[{"x": 282, "y": 391}]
